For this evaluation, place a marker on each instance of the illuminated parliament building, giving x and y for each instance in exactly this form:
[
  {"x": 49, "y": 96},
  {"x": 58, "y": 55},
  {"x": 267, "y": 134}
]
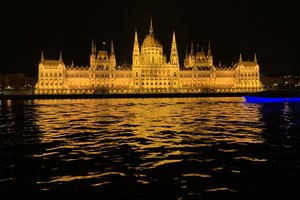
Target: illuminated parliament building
[{"x": 150, "y": 72}]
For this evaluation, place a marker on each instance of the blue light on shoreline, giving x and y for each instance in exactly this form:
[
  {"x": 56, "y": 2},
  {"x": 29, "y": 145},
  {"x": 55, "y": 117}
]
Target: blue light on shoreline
[{"x": 251, "y": 99}]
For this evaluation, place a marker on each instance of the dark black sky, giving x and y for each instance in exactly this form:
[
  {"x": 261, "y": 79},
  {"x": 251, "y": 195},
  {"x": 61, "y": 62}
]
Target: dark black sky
[{"x": 268, "y": 29}]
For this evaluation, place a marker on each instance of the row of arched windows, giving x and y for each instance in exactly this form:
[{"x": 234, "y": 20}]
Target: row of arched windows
[
  {"x": 249, "y": 74},
  {"x": 50, "y": 74}
]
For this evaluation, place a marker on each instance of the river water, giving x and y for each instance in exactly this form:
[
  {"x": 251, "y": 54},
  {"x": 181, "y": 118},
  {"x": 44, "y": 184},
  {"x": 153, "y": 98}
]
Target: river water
[{"x": 160, "y": 148}]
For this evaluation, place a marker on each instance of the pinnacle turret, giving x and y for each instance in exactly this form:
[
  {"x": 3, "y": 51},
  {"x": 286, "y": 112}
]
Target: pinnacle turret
[
  {"x": 186, "y": 52},
  {"x": 42, "y": 56},
  {"x": 112, "y": 50},
  {"x": 174, "y": 52},
  {"x": 136, "y": 50},
  {"x": 60, "y": 56},
  {"x": 192, "y": 48},
  {"x": 209, "y": 50},
  {"x": 93, "y": 47}
]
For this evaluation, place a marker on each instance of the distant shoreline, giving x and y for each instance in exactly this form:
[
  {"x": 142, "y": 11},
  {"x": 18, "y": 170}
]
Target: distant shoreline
[
  {"x": 268, "y": 93},
  {"x": 111, "y": 96}
]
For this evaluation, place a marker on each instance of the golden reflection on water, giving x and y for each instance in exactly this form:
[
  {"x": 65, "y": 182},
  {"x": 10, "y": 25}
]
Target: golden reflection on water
[
  {"x": 163, "y": 130},
  {"x": 192, "y": 146},
  {"x": 156, "y": 119}
]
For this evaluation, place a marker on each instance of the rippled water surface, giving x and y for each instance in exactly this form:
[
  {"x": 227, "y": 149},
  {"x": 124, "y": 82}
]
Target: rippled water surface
[{"x": 150, "y": 148}]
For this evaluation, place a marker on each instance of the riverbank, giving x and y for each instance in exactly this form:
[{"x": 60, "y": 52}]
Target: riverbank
[{"x": 103, "y": 96}]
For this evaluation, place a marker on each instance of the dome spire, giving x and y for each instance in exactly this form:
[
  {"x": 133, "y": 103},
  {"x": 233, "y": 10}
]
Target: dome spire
[
  {"x": 255, "y": 58},
  {"x": 240, "y": 60},
  {"x": 151, "y": 26}
]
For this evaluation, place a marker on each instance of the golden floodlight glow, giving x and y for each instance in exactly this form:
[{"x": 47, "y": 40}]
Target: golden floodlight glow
[{"x": 150, "y": 72}]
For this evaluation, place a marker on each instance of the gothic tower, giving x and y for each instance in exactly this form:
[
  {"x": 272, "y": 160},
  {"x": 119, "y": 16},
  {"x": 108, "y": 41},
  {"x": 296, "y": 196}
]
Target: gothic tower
[
  {"x": 93, "y": 55},
  {"x": 136, "y": 51},
  {"x": 174, "y": 52},
  {"x": 209, "y": 56},
  {"x": 112, "y": 57}
]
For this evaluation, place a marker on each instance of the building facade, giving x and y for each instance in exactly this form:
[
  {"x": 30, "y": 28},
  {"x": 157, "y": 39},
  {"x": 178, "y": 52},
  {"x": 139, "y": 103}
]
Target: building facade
[{"x": 150, "y": 72}]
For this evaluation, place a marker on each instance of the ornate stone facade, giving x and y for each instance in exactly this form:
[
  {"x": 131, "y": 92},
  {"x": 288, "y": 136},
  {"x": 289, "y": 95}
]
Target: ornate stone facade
[{"x": 150, "y": 72}]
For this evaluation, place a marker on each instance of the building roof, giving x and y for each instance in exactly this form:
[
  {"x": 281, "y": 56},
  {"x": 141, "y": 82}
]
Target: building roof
[
  {"x": 51, "y": 62},
  {"x": 150, "y": 41},
  {"x": 247, "y": 63}
]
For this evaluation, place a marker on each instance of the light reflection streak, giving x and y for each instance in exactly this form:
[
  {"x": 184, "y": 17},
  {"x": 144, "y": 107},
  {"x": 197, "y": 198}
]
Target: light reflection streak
[
  {"x": 88, "y": 176},
  {"x": 152, "y": 132}
]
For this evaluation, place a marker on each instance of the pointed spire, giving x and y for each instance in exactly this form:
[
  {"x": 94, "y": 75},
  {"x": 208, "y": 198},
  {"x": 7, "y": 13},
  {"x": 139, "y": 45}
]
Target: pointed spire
[
  {"x": 240, "y": 60},
  {"x": 186, "y": 52},
  {"x": 192, "y": 48},
  {"x": 136, "y": 37},
  {"x": 72, "y": 63},
  {"x": 60, "y": 56},
  {"x": 136, "y": 48},
  {"x": 93, "y": 47},
  {"x": 174, "y": 38},
  {"x": 209, "y": 50},
  {"x": 174, "y": 52},
  {"x": 112, "y": 50},
  {"x": 151, "y": 27},
  {"x": 255, "y": 58},
  {"x": 202, "y": 49},
  {"x": 42, "y": 56}
]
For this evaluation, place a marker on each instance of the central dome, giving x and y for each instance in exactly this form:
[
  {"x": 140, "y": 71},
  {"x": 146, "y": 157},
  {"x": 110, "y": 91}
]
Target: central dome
[{"x": 150, "y": 41}]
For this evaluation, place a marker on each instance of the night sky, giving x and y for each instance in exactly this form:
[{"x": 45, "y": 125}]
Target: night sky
[{"x": 268, "y": 29}]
